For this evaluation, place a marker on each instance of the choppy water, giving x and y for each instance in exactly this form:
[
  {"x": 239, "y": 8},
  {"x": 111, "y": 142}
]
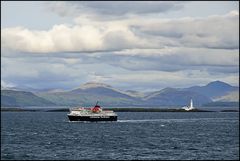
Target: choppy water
[{"x": 157, "y": 135}]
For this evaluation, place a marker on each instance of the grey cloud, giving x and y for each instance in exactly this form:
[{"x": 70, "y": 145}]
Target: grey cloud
[
  {"x": 54, "y": 72},
  {"x": 117, "y": 8},
  {"x": 226, "y": 62},
  {"x": 217, "y": 32},
  {"x": 223, "y": 69},
  {"x": 170, "y": 60}
]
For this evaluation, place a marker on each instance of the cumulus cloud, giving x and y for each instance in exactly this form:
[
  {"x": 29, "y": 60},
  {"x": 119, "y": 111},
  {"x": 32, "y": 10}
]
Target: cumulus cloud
[
  {"x": 62, "y": 38},
  {"x": 219, "y": 32},
  {"x": 59, "y": 38}
]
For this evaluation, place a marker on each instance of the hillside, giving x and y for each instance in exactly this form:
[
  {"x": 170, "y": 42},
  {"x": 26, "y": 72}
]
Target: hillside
[
  {"x": 12, "y": 98},
  {"x": 173, "y": 97},
  {"x": 213, "y": 89},
  {"x": 88, "y": 94},
  {"x": 99, "y": 89},
  {"x": 232, "y": 96},
  {"x": 108, "y": 96}
]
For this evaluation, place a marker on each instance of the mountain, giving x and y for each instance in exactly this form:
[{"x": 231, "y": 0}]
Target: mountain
[
  {"x": 33, "y": 90},
  {"x": 50, "y": 91},
  {"x": 232, "y": 96},
  {"x": 12, "y": 98},
  {"x": 176, "y": 97},
  {"x": 89, "y": 93},
  {"x": 231, "y": 99},
  {"x": 222, "y": 104},
  {"x": 213, "y": 89},
  {"x": 10, "y": 88},
  {"x": 135, "y": 93},
  {"x": 100, "y": 89}
]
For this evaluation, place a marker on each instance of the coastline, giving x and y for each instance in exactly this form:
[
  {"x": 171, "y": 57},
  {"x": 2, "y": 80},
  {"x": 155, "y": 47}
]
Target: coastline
[{"x": 14, "y": 109}]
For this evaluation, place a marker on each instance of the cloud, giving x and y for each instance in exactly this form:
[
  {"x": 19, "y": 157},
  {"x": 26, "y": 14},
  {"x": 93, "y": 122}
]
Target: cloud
[
  {"x": 62, "y": 8},
  {"x": 62, "y": 38},
  {"x": 122, "y": 71},
  {"x": 59, "y": 38},
  {"x": 35, "y": 71},
  {"x": 52, "y": 72},
  {"x": 132, "y": 47},
  {"x": 174, "y": 59},
  {"x": 156, "y": 80},
  {"x": 116, "y": 8},
  {"x": 217, "y": 32}
]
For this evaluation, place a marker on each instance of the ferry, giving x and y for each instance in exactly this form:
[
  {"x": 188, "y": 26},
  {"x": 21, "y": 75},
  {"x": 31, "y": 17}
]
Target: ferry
[{"x": 93, "y": 114}]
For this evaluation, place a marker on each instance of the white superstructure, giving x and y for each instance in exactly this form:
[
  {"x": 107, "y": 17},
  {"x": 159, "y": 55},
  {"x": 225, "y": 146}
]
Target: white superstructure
[
  {"x": 93, "y": 114},
  {"x": 88, "y": 112}
]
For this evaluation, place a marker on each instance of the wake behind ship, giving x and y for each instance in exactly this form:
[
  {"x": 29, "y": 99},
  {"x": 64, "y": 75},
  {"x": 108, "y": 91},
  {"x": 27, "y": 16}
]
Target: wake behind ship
[{"x": 91, "y": 114}]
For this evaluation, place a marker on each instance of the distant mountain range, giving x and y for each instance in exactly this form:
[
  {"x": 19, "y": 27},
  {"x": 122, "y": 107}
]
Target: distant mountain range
[
  {"x": 12, "y": 98},
  {"x": 176, "y": 97},
  {"x": 214, "y": 89},
  {"x": 87, "y": 95}
]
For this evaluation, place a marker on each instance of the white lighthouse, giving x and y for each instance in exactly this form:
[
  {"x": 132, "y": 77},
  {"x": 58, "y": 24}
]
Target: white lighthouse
[{"x": 188, "y": 108}]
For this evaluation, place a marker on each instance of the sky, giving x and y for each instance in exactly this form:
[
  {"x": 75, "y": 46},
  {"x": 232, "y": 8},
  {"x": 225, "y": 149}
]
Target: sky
[{"x": 131, "y": 45}]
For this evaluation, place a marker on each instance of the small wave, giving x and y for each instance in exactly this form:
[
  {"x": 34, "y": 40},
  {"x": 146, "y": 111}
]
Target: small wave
[
  {"x": 79, "y": 121},
  {"x": 153, "y": 120},
  {"x": 192, "y": 149},
  {"x": 172, "y": 120},
  {"x": 147, "y": 120},
  {"x": 90, "y": 122}
]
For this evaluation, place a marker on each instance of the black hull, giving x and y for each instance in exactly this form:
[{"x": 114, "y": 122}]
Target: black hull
[{"x": 92, "y": 119}]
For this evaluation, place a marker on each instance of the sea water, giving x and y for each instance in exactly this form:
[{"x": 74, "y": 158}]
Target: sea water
[{"x": 136, "y": 135}]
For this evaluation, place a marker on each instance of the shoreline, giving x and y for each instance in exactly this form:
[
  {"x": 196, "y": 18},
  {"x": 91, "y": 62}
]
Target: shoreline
[{"x": 114, "y": 109}]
